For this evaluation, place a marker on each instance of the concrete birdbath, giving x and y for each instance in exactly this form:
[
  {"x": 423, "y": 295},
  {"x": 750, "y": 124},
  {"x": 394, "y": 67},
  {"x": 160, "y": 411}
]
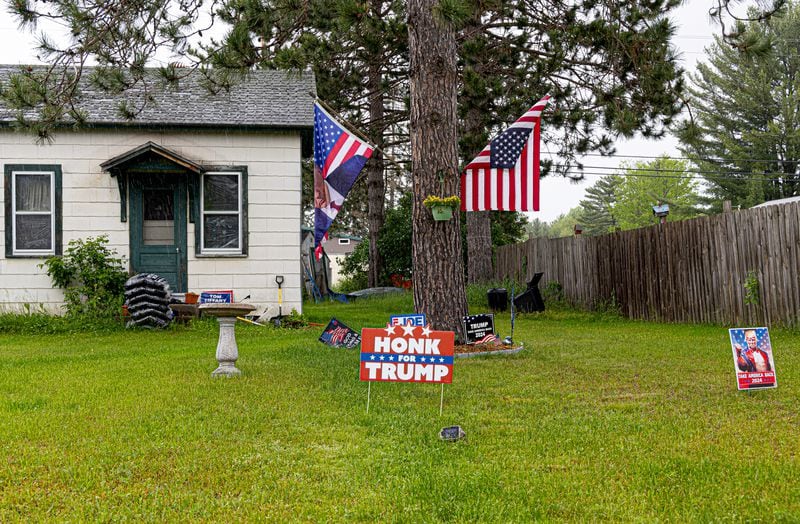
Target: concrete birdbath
[{"x": 227, "y": 350}]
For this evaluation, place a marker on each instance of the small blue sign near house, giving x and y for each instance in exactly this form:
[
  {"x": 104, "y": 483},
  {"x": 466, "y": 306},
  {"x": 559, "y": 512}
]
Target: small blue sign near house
[{"x": 216, "y": 297}]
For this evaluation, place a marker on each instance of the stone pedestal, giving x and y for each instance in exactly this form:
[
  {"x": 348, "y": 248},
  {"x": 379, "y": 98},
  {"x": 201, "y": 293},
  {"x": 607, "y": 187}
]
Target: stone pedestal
[{"x": 227, "y": 350}]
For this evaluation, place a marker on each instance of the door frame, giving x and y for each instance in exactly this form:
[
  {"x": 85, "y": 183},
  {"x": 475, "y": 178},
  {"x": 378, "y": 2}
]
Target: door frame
[{"x": 178, "y": 182}]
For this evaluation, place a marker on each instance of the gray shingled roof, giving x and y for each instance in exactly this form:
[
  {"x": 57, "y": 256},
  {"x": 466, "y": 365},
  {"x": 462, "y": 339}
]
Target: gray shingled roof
[{"x": 265, "y": 99}]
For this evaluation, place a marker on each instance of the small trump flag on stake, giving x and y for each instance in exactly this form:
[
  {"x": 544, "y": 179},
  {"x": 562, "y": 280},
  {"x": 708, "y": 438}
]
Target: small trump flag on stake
[{"x": 505, "y": 175}]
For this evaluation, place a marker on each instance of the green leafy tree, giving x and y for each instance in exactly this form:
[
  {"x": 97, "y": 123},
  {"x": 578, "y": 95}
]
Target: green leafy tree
[
  {"x": 354, "y": 269},
  {"x": 507, "y": 228},
  {"x": 564, "y": 225},
  {"x": 598, "y": 206},
  {"x": 394, "y": 242},
  {"x": 537, "y": 228},
  {"x": 394, "y": 246},
  {"x": 745, "y": 130},
  {"x": 647, "y": 184}
]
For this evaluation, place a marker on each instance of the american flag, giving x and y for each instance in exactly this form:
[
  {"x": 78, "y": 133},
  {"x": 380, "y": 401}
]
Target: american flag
[
  {"x": 488, "y": 338},
  {"x": 505, "y": 175},
  {"x": 339, "y": 156}
]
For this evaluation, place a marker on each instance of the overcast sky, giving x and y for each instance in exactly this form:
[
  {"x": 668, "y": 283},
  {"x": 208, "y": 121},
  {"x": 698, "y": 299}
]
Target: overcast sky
[{"x": 695, "y": 32}]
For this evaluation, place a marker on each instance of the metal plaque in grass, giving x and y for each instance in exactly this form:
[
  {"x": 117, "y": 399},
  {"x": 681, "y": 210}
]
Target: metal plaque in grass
[{"x": 452, "y": 433}]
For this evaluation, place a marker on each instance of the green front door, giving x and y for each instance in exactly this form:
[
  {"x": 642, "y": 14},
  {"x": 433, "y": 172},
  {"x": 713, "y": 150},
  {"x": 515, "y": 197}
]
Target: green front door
[{"x": 158, "y": 226}]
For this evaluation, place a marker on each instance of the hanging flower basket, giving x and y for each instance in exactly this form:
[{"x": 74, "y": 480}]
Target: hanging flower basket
[
  {"x": 442, "y": 208},
  {"x": 442, "y": 213}
]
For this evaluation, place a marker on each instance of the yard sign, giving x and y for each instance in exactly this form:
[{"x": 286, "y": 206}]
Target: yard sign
[
  {"x": 216, "y": 297},
  {"x": 752, "y": 358},
  {"x": 407, "y": 354},
  {"x": 479, "y": 329},
  {"x": 337, "y": 335},
  {"x": 416, "y": 319}
]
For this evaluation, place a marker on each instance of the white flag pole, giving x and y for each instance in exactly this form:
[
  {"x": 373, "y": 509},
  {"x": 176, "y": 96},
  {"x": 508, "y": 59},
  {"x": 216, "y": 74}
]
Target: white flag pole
[{"x": 369, "y": 390}]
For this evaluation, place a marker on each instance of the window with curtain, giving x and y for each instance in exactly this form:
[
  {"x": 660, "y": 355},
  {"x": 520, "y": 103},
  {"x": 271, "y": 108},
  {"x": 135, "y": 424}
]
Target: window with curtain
[
  {"x": 222, "y": 213},
  {"x": 32, "y": 206}
]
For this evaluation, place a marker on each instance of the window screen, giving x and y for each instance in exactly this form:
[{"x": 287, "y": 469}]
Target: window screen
[
  {"x": 33, "y": 212},
  {"x": 222, "y": 212}
]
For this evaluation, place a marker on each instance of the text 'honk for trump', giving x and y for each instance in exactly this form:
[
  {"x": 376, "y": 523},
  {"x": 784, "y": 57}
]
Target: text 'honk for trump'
[{"x": 407, "y": 354}]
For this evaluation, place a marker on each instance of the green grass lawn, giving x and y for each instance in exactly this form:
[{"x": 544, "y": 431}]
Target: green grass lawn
[{"x": 597, "y": 419}]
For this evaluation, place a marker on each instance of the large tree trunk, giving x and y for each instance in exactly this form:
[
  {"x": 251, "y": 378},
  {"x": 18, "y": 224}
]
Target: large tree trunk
[
  {"x": 479, "y": 247},
  {"x": 438, "y": 264},
  {"x": 479, "y": 226},
  {"x": 376, "y": 186}
]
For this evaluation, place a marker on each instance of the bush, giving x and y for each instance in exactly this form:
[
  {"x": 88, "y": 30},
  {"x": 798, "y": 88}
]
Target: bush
[
  {"x": 92, "y": 277},
  {"x": 294, "y": 320},
  {"x": 354, "y": 269},
  {"x": 394, "y": 241},
  {"x": 553, "y": 293},
  {"x": 354, "y": 283}
]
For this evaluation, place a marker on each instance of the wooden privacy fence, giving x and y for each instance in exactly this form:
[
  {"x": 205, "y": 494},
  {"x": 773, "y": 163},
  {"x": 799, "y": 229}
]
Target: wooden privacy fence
[{"x": 689, "y": 271}]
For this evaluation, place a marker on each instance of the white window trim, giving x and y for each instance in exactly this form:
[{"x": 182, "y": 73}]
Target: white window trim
[
  {"x": 203, "y": 213},
  {"x": 344, "y": 241},
  {"x": 52, "y": 213}
]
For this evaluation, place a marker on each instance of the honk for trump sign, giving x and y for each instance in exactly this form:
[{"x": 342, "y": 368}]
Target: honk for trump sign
[{"x": 407, "y": 354}]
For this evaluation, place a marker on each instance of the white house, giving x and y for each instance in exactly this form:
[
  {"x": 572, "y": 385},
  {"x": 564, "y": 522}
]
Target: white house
[
  {"x": 338, "y": 247},
  {"x": 203, "y": 189}
]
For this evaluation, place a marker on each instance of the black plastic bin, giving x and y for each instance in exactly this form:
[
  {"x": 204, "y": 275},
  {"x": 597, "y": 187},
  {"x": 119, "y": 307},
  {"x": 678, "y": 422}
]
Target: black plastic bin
[{"x": 498, "y": 299}]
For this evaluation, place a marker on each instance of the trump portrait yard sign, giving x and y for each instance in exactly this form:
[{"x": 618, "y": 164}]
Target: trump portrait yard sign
[
  {"x": 407, "y": 354},
  {"x": 752, "y": 358}
]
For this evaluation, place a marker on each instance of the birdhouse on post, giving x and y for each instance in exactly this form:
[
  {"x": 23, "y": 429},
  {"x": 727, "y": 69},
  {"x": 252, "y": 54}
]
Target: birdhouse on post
[{"x": 661, "y": 211}]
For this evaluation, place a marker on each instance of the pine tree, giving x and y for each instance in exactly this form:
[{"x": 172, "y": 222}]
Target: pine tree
[
  {"x": 438, "y": 263},
  {"x": 744, "y": 134},
  {"x": 609, "y": 68},
  {"x": 537, "y": 228},
  {"x": 357, "y": 52},
  {"x": 598, "y": 206}
]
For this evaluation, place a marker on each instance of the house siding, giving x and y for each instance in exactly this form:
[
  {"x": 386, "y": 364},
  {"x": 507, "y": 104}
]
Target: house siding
[{"x": 91, "y": 207}]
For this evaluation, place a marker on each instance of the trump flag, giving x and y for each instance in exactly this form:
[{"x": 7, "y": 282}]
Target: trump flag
[
  {"x": 339, "y": 156},
  {"x": 505, "y": 175}
]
